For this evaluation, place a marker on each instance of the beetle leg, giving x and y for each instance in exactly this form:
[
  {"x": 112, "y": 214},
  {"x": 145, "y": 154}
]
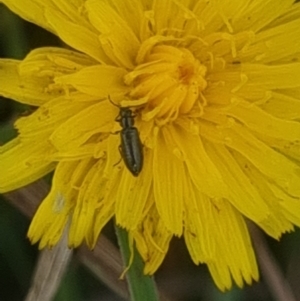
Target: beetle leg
[{"x": 115, "y": 133}]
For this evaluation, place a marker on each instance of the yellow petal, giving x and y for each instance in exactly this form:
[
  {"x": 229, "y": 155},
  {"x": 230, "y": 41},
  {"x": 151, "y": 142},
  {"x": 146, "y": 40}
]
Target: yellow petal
[
  {"x": 276, "y": 222},
  {"x": 161, "y": 20},
  {"x": 201, "y": 168},
  {"x": 169, "y": 186},
  {"x": 290, "y": 206},
  {"x": 132, "y": 194},
  {"x": 116, "y": 37},
  {"x": 282, "y": 106},
  {"x": 54, "y": 212},
  {"x": 72, "y": 134},
  {"x": 25, "y": 88},
  {"x": 90, "y": 194},
  {"x": 278, "y": 167},
  {"x": 243, "y": 195},
  {"x": 74, "y": 29},
  {"x": 156, "y": 238},
  {"x": 261, "y": 78},
  {"x": 256, "y": 14},
  {"x": 271, "y": 45},
  {"x": 133, "y": 13},
  {"x": 97, "y": 80},
  {"x": 292, "y": 13},
  {"x": 31, "y": 10},
  {"x": 235, "y": 255},
  {"x": 105, "y": 208},
  {"x": 199, "y": 224},
  {"x": 263, "y": 123},
  {"x": 24, "y": 163},
  {"x": 47, "y": 117}
]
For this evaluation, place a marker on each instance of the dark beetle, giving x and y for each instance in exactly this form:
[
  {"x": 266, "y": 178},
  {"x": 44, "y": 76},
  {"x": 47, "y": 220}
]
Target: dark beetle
[{"x": 131, "y": 147}]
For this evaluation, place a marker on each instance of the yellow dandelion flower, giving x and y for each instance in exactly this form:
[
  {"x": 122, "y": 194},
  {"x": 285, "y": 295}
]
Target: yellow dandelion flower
[{"x": 213, "y": 88}]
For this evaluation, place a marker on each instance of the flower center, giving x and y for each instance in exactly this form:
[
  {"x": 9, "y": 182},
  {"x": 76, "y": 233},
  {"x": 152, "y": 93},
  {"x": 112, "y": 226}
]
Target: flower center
[{"x": 171, "y": 79}]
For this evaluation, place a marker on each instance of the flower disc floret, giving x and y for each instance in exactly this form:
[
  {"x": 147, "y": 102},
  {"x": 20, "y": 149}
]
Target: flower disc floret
[{"x": 172, "y": 80}]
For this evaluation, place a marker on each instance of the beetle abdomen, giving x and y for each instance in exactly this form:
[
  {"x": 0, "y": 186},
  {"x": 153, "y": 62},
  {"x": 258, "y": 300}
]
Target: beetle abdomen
[{"x": 132, "y": 150}]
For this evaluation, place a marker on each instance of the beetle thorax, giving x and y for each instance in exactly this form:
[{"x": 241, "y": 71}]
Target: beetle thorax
[{"x": 126, "y": 118}]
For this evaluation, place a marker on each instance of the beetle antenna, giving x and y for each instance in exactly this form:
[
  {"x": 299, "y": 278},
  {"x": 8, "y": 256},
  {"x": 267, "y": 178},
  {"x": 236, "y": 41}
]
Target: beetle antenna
[{"x": 113, "y": 103}]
